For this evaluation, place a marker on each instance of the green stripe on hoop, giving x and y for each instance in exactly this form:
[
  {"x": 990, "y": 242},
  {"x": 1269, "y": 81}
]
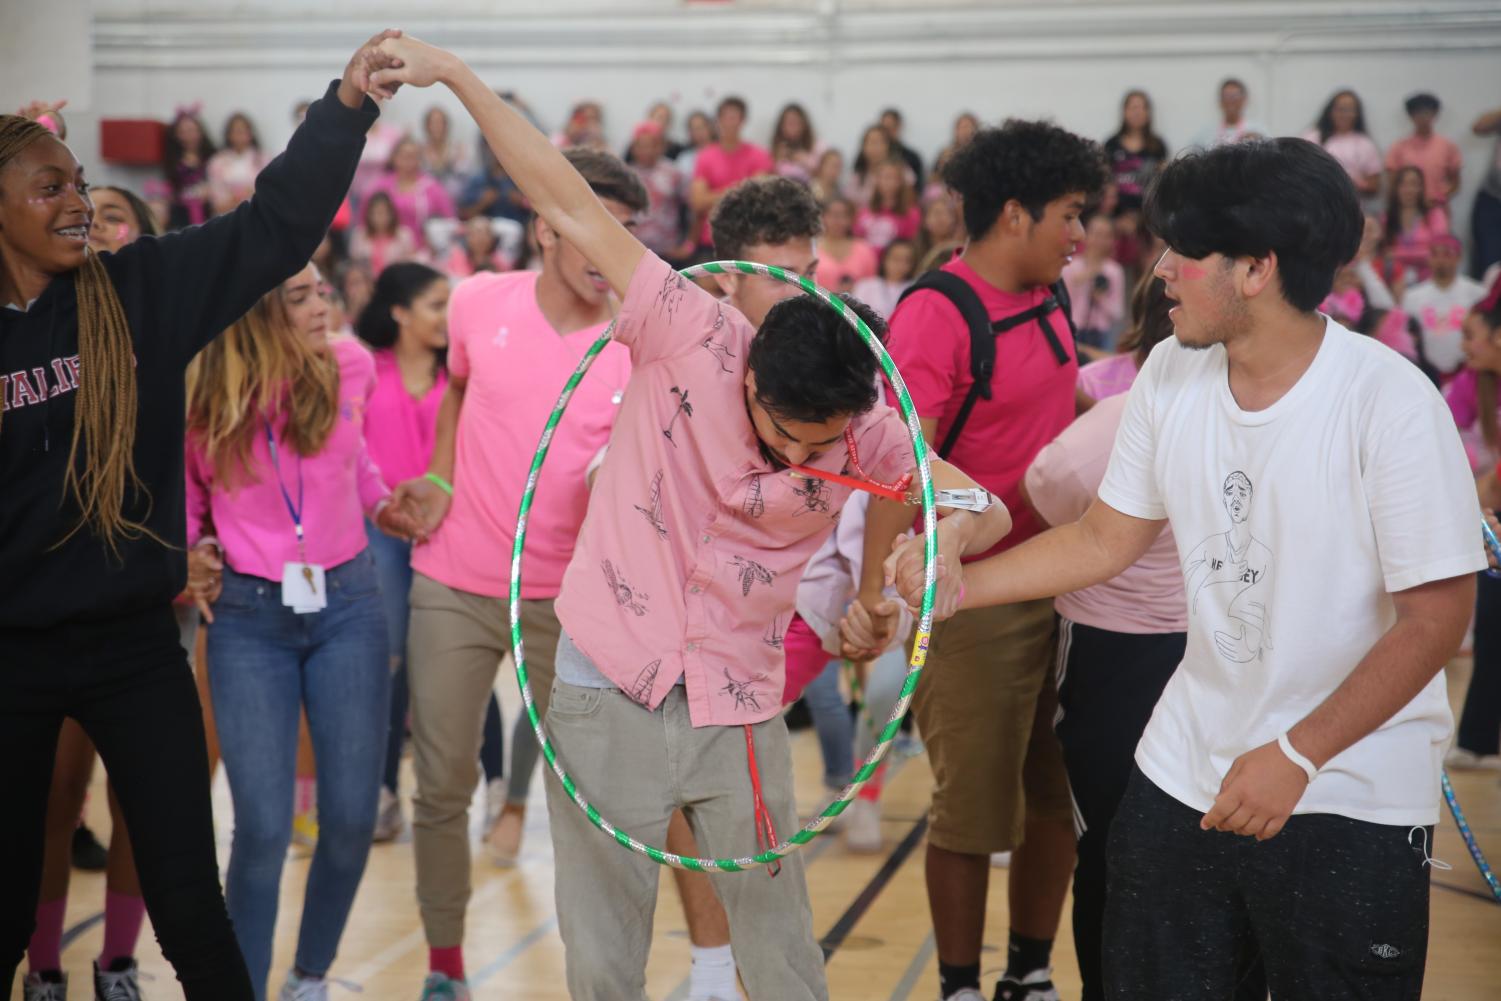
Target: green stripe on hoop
[{"x": 930, "y": 554}]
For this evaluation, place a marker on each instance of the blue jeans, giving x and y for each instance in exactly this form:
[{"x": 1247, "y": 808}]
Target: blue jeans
[
  {"x": 834, "y": 724},
  {"x": 393, "y": 564},
  {"x": 1485, "y": 230},
  {"x": 268, "y": 663},
  {"x": 844, "y": 741}
]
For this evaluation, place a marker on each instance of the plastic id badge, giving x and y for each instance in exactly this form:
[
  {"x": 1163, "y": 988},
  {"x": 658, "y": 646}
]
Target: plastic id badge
[{"x": 303, "y": 588}]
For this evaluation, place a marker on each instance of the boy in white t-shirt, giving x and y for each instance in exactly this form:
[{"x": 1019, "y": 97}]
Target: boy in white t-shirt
[
  {"x": 1441, "y": 304},
  {"x": 1326, "y": 527}
]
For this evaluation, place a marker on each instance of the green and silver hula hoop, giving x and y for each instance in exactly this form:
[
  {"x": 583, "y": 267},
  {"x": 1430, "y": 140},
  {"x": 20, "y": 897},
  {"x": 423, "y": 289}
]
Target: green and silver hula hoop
[{"x": 920, "y": 643}]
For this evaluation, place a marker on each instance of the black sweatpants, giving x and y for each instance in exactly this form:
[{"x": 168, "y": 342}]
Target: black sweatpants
[
  {"x": 1480, "y": 722},
  {"x": 1336, "y": 908},
  {"x": 1108, "y": 685},
  {"x": 128, "y": 683}
]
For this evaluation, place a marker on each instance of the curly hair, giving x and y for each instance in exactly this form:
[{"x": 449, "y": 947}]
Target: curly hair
[
  {"x": 810, "y": 365},
  {"x": 763, "y": 210},
  {"x": 1032, "y": 162}
]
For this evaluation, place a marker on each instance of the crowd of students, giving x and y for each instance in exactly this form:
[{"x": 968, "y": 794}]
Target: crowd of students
[{"x": 354, "y": 347}]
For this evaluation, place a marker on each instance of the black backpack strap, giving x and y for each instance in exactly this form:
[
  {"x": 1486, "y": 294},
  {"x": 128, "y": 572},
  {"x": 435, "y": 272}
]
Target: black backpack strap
[
  {"x": 1066, "y": 306},
  {"x": 981, "y": 343},
  {"x": 982, "y": 334}
]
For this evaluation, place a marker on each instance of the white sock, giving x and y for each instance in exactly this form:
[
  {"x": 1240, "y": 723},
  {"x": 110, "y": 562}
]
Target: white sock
[{"x": 713, "y": 973}]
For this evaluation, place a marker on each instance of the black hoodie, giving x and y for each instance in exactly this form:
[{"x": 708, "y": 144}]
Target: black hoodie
[{"x": 179, "y": 292}]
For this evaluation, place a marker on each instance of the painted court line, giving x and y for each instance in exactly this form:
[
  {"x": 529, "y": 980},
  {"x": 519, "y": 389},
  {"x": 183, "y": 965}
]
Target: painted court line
[
  {"x": 903, "y": 989},
  {"x": 508, "y": 957}
]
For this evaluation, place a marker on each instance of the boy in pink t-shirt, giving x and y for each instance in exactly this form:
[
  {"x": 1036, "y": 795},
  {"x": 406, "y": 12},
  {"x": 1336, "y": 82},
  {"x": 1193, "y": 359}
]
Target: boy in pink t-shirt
[
  {"x": 668, "y": 689},
  {"x": 724, "y": 164},
  {"x": 986, "y": 705},
  {"x": 1437, "y": 157},
  {"x": 514, "y": 340}
]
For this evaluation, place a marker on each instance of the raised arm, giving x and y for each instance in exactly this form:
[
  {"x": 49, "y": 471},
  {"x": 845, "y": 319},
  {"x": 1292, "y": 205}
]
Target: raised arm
[
  {"x": 211, "y": 274},
  {"x": 556, "y": 191}
]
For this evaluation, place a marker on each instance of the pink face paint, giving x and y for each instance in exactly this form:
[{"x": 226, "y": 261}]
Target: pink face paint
[
  {"x": 1192, "y": 272},
  {"x": 122, "y": 233}
]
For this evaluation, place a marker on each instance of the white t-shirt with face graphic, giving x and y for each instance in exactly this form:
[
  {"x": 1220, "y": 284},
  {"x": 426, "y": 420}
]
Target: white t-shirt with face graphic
[{"x": 1294, "y": 525}]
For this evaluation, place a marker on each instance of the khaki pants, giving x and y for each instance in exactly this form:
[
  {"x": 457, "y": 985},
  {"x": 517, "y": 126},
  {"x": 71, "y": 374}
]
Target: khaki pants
[
  {"x": 454, "y": 646},
  {"x": 985, "y": 708},
  {"x": 636, "y": 766}
]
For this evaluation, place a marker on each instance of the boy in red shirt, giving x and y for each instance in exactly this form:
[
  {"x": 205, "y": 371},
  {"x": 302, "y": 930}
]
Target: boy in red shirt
[{"x": 985, "y": 706}]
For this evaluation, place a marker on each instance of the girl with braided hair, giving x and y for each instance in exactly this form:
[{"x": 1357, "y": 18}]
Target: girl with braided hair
[{"x": 93, "y": 348}]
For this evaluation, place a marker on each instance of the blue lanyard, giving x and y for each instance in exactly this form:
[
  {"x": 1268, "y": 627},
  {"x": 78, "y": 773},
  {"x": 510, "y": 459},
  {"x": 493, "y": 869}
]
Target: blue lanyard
[{"x": 295, "y": 512}]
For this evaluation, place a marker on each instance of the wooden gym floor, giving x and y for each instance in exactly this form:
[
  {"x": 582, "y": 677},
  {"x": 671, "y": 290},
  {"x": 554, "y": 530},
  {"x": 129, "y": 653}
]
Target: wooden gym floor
[{"x": 871, "y": 910}]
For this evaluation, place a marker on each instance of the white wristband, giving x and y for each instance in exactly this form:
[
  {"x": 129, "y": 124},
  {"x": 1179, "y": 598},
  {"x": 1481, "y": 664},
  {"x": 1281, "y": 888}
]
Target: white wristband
[{"x": 1296, "y": 758}]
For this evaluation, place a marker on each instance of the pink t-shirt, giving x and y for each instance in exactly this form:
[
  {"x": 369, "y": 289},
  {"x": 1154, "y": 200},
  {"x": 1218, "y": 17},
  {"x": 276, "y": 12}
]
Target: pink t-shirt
[
  {"x": 1437, "y": 157},
  {"x": 1109, "y": 376},
  {"x": 1462, "y": 395},
  {"x": 841, "y": 275},
  {"x": 880, "y": 228},
  {"x": 1355, "y": 151},
  {"x": 424, "y": 200},
  {"x": 1147, "y": 597},
  {"x": 516, "y": 364},
  {"x": 340, "y": 487},
  {"x": 1032, "y": 395},
  {"x": 399, "y": 429},
  {"x": 688, "y": 562},
  {"x": 723, "y": 170},
  {"x": 1096, "y": 309},
  {"x": 1408, "y": 253}
]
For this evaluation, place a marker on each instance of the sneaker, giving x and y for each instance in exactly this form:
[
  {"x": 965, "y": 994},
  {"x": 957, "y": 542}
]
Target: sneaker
[
  {"x": 968, "y": 994},
  {"x": 88, "y": 854},
  {"x": 1459, "y": 760},
  {"x": 305, "y": 829},
  {"x": 390, "y": 823},
  {"x": 495, "y": 802},
  {"x": 49, "y": 986},
  {"x": 1035, "y": 986},
  {"x": 440, "y": 987},
  {"x": 118, "y": 983},
  {"x": 1000, "y": 860},
  {"x": 503, "y": 843},
  {"x": 300, "y": 988},
  {"x": 862, "y": 833}
]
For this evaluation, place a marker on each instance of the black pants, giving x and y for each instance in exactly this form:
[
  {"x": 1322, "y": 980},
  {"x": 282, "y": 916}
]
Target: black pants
[
  {"x": 127, "y": 682},
  {"x": 1336, "y": 908},
  {"x": 1480, "y": 723},
  {"x": 1108, "y": 685}
]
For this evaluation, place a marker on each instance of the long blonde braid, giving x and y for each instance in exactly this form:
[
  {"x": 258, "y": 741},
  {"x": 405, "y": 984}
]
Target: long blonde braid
[{"x": 105, "y": 413}]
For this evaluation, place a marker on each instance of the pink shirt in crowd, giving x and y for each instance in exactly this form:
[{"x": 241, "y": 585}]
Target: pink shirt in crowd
[
  {"x": 1437, "y": 157},
  {"x": 424, "y": 200},
  {"x": 1109, "y": 376},
  {"x": 1147, "y": 597},
  {"x": 842, "y": 275},
  {"x": 1407, "y": 255},
  {"x": 1096, "y": 309},
  {"x": 1462, "y": 395},
  {"x": 723, "y": 170},
  {"x": 516, "y": 364},
  {"x": 340, "y": 487},
  {"x": 399, "y": 429},
  {"x": 1355, "y": 151},
  {"x": 880, "y": 228},
  {"x": 689, "y": 560},
  {"x": 1032, "y": 395}
]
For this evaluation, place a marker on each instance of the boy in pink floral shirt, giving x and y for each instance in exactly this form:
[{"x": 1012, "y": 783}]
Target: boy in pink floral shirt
[{"x": 668, "y": 690}]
